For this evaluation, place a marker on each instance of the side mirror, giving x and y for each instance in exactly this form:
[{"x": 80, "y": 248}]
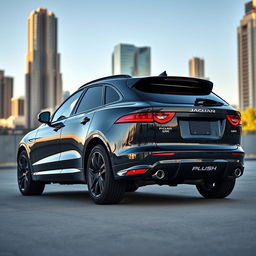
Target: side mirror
[{"x": 44, "y": 117}]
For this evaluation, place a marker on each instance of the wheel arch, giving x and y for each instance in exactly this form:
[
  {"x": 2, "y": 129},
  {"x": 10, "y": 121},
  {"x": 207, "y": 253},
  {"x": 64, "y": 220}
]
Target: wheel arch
[
  {"x": 91, "y": 143},
  {"x": 21, "y": 148}
]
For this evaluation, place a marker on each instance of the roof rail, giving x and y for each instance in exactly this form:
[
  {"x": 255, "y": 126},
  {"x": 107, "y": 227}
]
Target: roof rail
[{"x": 106, "y": 78}]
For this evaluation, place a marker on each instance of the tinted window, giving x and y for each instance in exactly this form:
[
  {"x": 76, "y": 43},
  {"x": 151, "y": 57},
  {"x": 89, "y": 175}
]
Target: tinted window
[
  {"x": 91, "y": 99},
  {"x": 111, "y": 95},
  {"x": 175, "y": 94},
  {"x": 179, "y": 99},
  {"x": 178, "y": 86},
  {"x": 66, "y": 108}
]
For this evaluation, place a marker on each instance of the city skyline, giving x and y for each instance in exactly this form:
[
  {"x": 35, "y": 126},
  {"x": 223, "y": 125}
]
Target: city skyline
[{"x": 85, "y": 40}]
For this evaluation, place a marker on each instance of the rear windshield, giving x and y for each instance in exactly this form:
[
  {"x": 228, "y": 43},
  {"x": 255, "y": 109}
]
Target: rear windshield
[{"x": 172, "y": 97}]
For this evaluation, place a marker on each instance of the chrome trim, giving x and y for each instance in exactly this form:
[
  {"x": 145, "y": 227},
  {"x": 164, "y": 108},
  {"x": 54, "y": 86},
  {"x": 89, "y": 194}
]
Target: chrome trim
[
  {"x": 122, "y": 173},
  {"x": 66, "y": 155},
  {"x": 160, "y": 174},
  {"x": 70, "y": 154},
  {"x": 48, "y": 159},
  {"x": 47, "y": 172},
  {"x": 177, "y": 161},
  {"x": 60, "y": 171},
  {"x": 66, "y": 171},
  {"x": 195, "y": 161}
]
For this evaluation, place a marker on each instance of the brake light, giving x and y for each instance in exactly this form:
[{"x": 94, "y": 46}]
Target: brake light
[
  {"x": 163, "y": 154},
  {"x": 237, "y": 154},
  {"x": 135, "y": 118},
  {"x": 234, "y": 119},
  {"x": 159, "y": 117},
  {"x": 136, "y": 171}
]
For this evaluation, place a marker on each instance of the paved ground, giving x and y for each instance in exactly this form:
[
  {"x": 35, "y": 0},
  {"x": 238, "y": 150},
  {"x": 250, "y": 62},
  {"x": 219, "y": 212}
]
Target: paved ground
[{"x": 153, "y": 221}]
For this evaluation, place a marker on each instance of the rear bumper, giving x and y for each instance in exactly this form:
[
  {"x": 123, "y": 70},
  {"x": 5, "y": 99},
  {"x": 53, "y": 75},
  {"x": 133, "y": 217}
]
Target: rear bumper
[{"x": 183, "y": 165}]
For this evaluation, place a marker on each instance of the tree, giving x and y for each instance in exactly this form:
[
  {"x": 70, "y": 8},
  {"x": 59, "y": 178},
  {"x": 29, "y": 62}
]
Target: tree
[{"x": 249, "y": 119}]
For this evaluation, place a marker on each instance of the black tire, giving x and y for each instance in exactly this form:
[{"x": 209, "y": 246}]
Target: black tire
[
  {"x": 102, "y": 186},
  {"x": 219, "y": 189},
  {"x": 26, "y": 185},
  {"x": 131, "y": 187}
]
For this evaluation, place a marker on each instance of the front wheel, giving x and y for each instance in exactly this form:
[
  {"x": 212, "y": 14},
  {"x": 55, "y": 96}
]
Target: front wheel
[
  {"x": 218, "y": 189},
  {"x": 102, "y": 186},
  {"x": 27, "y": 186}
]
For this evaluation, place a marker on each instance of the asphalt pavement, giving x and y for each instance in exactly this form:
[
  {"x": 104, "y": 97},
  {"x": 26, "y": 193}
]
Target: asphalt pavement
[{"x": 153, "y": 221}]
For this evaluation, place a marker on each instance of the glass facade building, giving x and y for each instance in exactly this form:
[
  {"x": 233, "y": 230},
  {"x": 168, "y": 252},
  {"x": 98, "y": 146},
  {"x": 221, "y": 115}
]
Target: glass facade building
[{"x": 131, "y": 60}]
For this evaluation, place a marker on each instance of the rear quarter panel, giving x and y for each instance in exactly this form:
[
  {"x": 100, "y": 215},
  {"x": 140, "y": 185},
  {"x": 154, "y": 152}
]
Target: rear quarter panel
[{"x": 123, "y": 138}]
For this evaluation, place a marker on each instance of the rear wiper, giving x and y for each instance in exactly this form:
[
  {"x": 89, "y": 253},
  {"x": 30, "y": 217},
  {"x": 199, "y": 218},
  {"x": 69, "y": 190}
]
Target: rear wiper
[{"x": 207, "y": 102}]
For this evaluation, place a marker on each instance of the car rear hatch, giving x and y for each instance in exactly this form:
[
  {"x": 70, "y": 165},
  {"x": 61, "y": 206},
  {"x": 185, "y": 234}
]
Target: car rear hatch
[{"x": 199, "y": 118}]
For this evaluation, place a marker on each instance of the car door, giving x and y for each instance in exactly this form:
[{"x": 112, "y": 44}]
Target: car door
[
  {"x": 74, "y": 133},
  {"x": 47, "y": 142}
]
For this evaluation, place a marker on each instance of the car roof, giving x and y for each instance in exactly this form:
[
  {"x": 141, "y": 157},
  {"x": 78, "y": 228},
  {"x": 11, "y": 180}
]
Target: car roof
[{"x": 106, "y": 78}]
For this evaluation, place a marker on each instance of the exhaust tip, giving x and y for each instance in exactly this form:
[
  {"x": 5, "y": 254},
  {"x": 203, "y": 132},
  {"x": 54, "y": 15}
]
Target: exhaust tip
[
  {"x": 238, "y": 172},
  {"x": 159, "y": 174}
]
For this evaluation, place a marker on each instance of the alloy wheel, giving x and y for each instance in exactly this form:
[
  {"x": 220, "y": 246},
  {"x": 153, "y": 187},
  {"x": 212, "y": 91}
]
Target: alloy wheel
[
  {"x": 96, "y": 174},
  {"x": 23, "y": 172}
]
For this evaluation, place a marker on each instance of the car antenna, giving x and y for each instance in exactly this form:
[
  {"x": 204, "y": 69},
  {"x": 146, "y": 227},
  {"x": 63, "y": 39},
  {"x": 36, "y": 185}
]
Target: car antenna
[{"x": 163, "y": 74}]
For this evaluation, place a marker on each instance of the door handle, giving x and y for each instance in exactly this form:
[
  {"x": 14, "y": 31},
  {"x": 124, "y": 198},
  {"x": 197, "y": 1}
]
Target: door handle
[
  {"x": 85, "y": 120},
  {"x": 58, "y": 126}
]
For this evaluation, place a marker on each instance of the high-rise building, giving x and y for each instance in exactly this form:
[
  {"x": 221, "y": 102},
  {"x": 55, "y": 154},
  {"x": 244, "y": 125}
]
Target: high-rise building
[
  {"x": 65, "y": 95},
  {"x": 142, "y": 61},
  {"x": 6, "y": 93},
  {"x": 18, "y": 104},
  {"x": 196, "y": 67},
  {"x": 131, "y": 60},
  {"x": 43, "y": 77},
  {"x": 246, "y": 34}
]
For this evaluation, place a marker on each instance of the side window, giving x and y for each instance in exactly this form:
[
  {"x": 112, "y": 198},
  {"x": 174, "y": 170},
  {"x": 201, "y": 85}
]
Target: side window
[
  {"x": 65, "y": 110},
  {"x": 91, "y": 99},
  {"x": 111, "y": 95}
]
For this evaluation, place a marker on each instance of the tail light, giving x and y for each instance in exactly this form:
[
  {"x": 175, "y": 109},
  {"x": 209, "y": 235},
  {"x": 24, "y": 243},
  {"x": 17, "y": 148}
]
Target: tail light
[
  {"x": 163, "y": 118},
  {"x": 163, "y": 154},
  {"x": 237, "y": 154},
  {"x": 234, "y": 119},
  {"x": 136, "y": 118},
  {"x": 159, "y": 117}
]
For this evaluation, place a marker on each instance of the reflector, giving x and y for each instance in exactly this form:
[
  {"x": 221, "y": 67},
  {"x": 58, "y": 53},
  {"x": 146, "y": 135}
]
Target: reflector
[
  {"x": 237, "y": 154},
  {"x": 136, "y": 171},
  {"x": 163, "y": 154}
]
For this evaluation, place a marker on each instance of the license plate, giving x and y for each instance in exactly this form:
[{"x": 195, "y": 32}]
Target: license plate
[{"x": 199, "y": 128}]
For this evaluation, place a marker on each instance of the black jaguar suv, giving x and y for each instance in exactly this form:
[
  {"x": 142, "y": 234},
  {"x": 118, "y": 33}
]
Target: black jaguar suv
[{"x": 119, "y": 133}]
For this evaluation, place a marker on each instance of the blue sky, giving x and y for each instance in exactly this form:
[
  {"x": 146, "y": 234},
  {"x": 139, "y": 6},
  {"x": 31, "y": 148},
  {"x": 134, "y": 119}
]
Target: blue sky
[{"x": 88, "y": 31}]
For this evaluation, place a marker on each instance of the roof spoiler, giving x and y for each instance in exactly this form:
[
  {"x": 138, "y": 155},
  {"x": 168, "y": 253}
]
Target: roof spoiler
[
  {"x": 172, "y": 84},
  {"x": 163, "y": 74}
]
